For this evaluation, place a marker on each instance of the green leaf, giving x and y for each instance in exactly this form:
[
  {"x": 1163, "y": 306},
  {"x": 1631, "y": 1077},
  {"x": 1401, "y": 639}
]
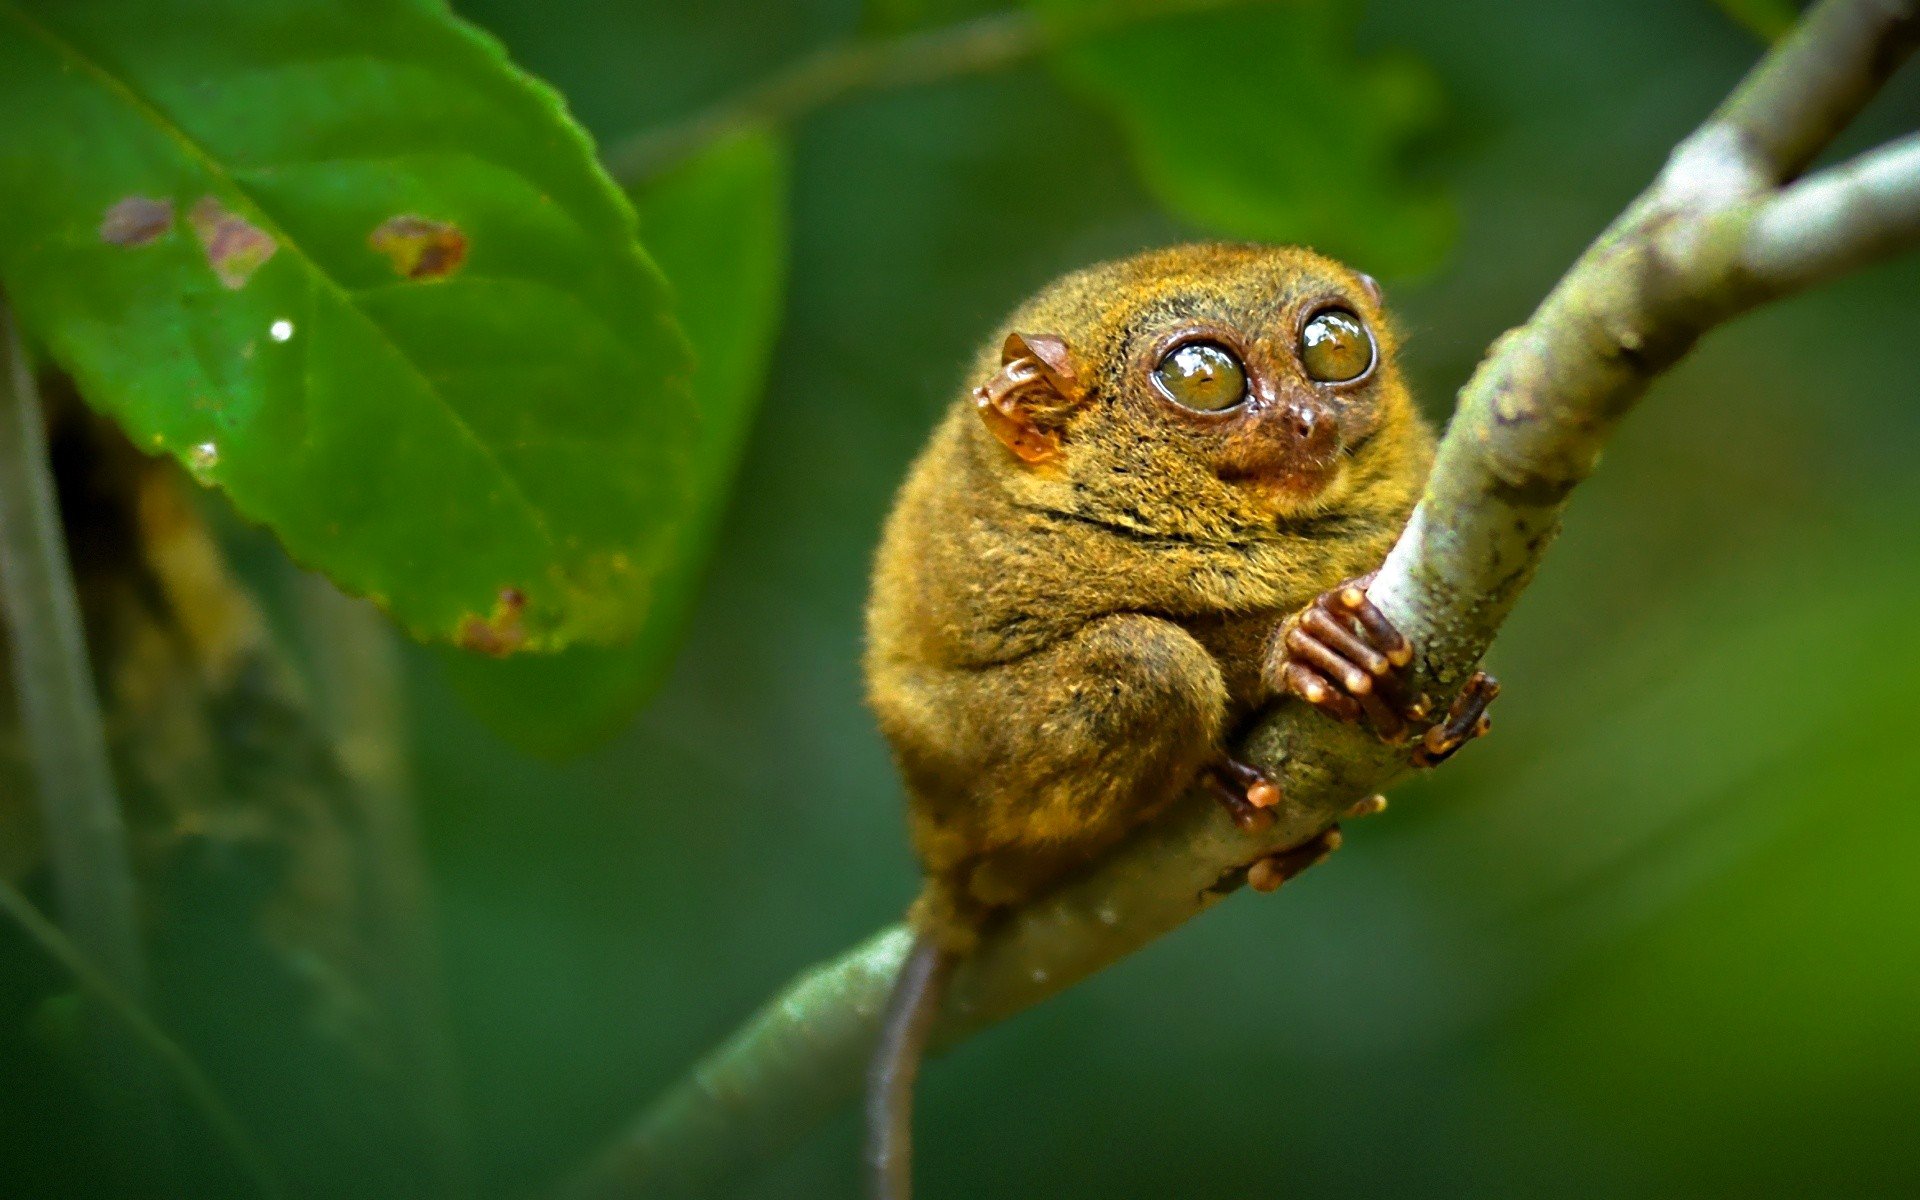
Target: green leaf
[
  {"x": 1768, "y": 20},
  {"x": 1263, "y": 124},
  {"x": 347, "y": 263},
  {"x": 718, "y": 226}
]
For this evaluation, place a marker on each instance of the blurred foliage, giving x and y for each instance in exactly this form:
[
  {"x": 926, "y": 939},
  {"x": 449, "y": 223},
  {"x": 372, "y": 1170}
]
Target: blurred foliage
[
  {"x": 324, "y": 256},
  {"x": 1766, "y": 19},
  {"x": 1260, "y": 123},
  {"x": 1656, "y": 937}
]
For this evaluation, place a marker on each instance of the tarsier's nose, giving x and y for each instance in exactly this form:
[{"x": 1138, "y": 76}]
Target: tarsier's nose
[{"x": 1311, "y": 425}]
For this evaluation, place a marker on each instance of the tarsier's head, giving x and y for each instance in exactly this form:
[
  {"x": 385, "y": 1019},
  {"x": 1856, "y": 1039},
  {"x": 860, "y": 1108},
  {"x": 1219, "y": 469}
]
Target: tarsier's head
[{"x": 1247, "y": 384}]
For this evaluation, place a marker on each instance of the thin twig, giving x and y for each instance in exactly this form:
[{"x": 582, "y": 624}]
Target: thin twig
[
  {"x": 356, "y": 671},
  {"x": 830, "y": 75},
  {"x": 187, "y": 1075},
  {"x": 86, "y": 839},
  {"x": 1712, "y": 237},
  {"x": 1817, "y": 80},
  {"x": 1838, "y": 220}
]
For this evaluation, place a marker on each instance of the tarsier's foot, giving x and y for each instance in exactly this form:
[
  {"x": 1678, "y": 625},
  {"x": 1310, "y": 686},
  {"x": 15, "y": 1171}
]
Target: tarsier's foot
[
  {"x": 1466, "y": 720},
  {"x": 1244, "y": 790},
  {"x": 1275, "y": 869},
  {"x": 1341, "y": 655}
]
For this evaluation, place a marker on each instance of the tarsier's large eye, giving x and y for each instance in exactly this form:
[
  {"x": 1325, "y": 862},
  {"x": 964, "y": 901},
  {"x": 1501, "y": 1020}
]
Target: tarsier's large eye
[
  {"x": 1335, "y": 346},
  {"x": 1202, "y": 375}
]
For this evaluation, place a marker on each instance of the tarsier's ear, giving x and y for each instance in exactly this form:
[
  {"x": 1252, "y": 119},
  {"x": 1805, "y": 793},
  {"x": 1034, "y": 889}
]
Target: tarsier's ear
[{"x": 1027, "y": 402}]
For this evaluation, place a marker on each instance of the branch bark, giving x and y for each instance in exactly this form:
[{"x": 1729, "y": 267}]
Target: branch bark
[{"x": 1724, "y": 228}]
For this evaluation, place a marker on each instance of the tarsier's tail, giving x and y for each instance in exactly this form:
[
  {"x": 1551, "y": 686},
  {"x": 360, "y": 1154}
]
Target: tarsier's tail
[{"x": 911, "y": 1010}]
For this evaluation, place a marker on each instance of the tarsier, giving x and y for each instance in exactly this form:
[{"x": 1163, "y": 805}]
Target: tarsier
[{"x": 1155, "y": 514}]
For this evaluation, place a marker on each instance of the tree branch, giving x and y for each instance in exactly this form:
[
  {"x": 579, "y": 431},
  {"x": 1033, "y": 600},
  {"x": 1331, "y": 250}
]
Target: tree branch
[
  {"x": 1817, "y": 80},
  {"x": 973, "y": 47},
  {"x": 1838, "y": 220},
  {"x": 1713, "y": 236}
]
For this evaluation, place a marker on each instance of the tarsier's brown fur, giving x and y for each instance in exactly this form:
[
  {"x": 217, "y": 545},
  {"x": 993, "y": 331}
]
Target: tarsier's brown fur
[{"x": 1058, "y": 646}]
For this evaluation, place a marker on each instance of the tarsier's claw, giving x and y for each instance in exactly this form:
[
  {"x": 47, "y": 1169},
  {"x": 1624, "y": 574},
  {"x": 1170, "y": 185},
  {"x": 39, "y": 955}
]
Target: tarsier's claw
[
  {"x": 1466, "y": 720},
  {"x": 1343, "y": 656},
  {"x": 1275, "y": 869},
  {"x": 1244, "y": 790}
]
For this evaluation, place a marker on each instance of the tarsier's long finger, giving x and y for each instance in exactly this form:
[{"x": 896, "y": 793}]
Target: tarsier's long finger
[
  {"x": 1466, "y": 719},
  {"x": 1303, "y": 646},
  {"x": 1275, "y": 869},
  {"x": 1352, "y": 598},
  {"x": 1338, "y": 638},
  {"x": 1260, "y": 791},
  {"x": 1386, "y": 720},
  {"x": 1376, "y": 697},
  {"x": 1313, "y": 687},
  {"x": 1233, "y": 796},
  {"x": 1368, "y": 806},
  {"x": 1467, "y": 716}
]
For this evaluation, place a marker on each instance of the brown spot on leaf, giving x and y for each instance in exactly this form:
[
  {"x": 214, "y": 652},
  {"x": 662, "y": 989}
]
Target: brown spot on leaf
[
  {"x": 235, "y": 247},
  {"x": 501, "y": 633},
  {"x": 420, "y": 248},
  {"x": 136, "y": 221}
]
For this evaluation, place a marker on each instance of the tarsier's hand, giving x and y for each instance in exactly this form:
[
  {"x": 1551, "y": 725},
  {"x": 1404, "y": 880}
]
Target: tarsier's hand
[{"x": 1341, "y": 655}]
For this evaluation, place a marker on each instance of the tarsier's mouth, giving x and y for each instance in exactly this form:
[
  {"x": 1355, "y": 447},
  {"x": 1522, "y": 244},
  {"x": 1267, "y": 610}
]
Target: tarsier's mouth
[
  {"x": 1296, "y": 482},
  {"x": 1292, "y": 471}
]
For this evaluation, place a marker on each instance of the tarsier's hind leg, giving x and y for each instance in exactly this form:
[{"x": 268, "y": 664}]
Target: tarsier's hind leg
[
  {"x": 1024, "y": 770},
  {"x": 1021, "y": 773}
]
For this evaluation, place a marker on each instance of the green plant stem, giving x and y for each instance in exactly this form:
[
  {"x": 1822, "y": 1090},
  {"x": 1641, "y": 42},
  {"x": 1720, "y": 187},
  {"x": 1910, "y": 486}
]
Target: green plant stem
[
  {"x": 187, "y": 1075},
  {"x": 356, "y": 670},
  {"x": 833, "y": 74},
  {"x": 1716, "y": 234},
  {"x": 86, "y": 839}
]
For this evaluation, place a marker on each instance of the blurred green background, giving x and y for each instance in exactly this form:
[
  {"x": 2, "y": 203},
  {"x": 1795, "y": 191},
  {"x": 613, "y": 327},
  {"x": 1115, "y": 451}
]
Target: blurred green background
[{"x": 1658, "y": 936}]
